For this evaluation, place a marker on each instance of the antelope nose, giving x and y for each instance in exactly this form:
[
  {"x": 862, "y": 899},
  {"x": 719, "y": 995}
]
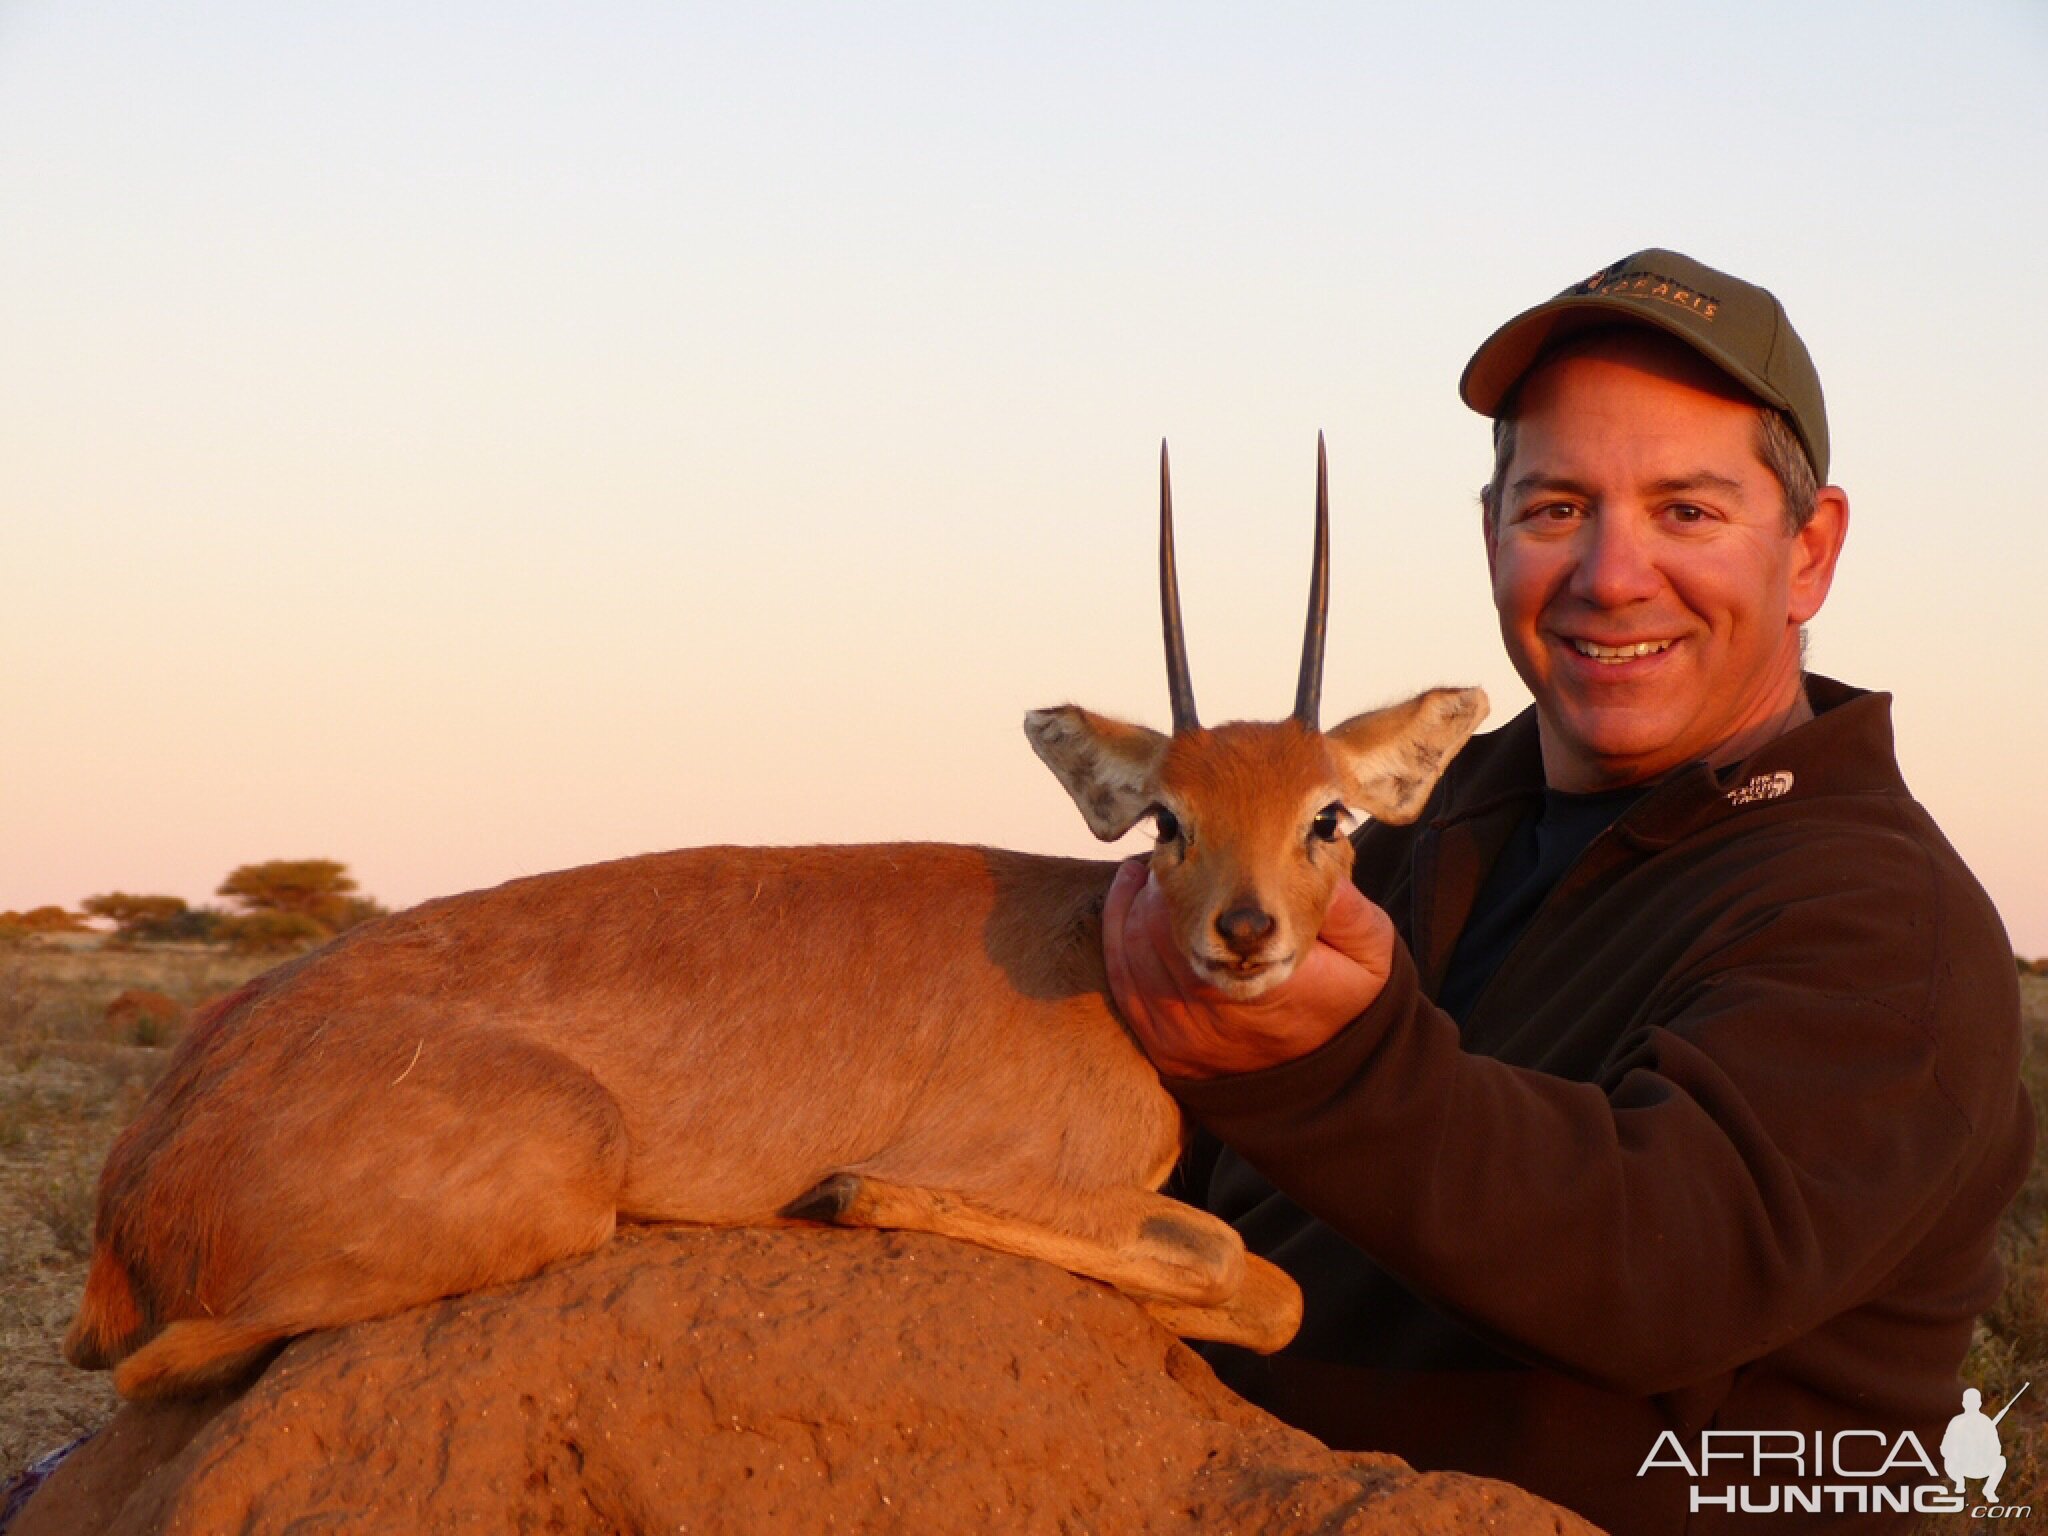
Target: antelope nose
[{"x": 1244, "y": 928}]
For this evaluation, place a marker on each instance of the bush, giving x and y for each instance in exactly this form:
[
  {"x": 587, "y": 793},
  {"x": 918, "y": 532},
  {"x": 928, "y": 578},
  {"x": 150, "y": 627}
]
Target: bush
[
  {"x": 142, "y": 1017},
  {"x": 360, "y": 909},
  {"x": 259, "y": 931},
  {"x": 134, "y": 917},
  {"x": 39, "y": 920}
]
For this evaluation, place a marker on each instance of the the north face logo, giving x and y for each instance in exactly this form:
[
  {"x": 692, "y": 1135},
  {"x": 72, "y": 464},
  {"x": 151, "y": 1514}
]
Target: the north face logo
[{"x": 1765, "y": 786}]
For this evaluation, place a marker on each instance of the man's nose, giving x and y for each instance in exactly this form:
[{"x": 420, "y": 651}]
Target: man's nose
[{"x": 1616, "y": 564}]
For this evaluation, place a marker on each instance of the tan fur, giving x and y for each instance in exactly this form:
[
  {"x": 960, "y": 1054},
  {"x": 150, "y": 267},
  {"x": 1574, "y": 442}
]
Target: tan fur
[
  {"x": 906, "y": 1035},
  {"x": 1245, "y": 795}
]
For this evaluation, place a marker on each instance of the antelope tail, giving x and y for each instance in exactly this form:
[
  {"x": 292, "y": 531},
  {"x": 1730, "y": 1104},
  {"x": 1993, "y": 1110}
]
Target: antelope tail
[{"x": 109, "y": 1319}]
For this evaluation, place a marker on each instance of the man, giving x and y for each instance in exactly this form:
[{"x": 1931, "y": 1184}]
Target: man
[{"x": 1667, "y": 1081}]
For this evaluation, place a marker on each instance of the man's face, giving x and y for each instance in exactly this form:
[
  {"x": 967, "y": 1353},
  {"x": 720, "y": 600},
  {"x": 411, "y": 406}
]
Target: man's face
[{"x": 1649, "y": 592}]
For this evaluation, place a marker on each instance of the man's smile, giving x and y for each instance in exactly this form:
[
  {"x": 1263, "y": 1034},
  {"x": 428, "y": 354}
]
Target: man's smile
[{"x": 1613, "y": 655}]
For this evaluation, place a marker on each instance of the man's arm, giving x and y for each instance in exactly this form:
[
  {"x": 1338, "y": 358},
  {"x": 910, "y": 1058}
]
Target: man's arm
[{"x": 1757, "y": 1159}]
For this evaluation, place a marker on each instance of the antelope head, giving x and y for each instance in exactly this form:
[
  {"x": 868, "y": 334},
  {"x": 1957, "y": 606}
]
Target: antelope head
[{"x": 1252, "y": 817}]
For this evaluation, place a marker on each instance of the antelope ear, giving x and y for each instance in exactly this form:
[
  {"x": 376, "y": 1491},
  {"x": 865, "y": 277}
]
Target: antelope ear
[
  {"x": 1111, "y": 769},
  {"x": 1391, "y": 758}
]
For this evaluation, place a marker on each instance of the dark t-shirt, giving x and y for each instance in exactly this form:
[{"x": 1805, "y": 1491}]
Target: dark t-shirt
[{"x": 1543, "y": 847}]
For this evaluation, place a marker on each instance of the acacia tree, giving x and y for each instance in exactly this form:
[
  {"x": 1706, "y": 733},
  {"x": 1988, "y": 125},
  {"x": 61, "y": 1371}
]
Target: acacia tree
[
  {"x": 318, "y": 889},
  {"x": 39, "y": 920},
  {"x": 286, "y": 902},
  {"x": 138, "y": 917}
]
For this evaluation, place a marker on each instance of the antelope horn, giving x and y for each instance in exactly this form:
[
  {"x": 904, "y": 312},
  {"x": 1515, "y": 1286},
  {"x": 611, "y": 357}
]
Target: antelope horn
[
  {"x": 1308, "y": 698},
  {"x": 1177, "y": 681}
]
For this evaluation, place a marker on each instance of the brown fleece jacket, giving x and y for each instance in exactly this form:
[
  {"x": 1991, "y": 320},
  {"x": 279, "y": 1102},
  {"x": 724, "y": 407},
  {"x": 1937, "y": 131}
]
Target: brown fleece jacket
[{"x": 1722, "y": 1145}]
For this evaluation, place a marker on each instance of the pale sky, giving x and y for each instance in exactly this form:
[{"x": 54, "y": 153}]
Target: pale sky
[{"x": 464, "y": 440}]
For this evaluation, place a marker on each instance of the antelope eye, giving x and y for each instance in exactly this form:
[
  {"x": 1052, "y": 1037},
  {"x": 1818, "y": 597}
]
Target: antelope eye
[
  {"x": 1168, "y": 823},
  {"x": 1328, "y": 825}
]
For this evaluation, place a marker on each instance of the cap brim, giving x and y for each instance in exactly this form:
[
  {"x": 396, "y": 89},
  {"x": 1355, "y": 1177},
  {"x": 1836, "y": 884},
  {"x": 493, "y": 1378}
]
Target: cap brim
[{"x": 1497, "y": 367}]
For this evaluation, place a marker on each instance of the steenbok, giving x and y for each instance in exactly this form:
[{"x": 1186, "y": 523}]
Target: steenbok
[{"x": 910, "y": 1035}]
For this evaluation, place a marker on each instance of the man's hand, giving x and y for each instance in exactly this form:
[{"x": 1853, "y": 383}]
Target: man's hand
[{"x": 1189, "y": 1029}]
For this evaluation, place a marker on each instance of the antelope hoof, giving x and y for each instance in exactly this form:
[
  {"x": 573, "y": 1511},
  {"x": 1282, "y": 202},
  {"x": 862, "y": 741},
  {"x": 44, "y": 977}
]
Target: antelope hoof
[{"x": 827, "y": 1202}]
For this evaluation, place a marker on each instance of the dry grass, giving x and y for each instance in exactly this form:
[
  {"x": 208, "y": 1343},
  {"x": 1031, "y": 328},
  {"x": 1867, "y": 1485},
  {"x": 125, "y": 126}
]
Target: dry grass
[
  {"x": 2011, "y": 1348},
  {"x": 67, "y": 1086},
  {"x": 20, "y": 1027}
]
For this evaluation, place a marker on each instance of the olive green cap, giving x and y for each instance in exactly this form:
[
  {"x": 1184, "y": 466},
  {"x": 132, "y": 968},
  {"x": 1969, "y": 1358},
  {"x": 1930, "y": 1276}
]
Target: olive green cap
[{"x": 1738, "y": 327}]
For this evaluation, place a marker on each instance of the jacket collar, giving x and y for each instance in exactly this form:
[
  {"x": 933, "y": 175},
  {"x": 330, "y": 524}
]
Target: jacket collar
[{"x": 1845, "y": 749}]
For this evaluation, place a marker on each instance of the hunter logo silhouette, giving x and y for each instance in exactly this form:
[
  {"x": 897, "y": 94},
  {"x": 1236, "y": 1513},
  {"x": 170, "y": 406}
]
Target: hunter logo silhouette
[{"x": 1970, "y": 1446}]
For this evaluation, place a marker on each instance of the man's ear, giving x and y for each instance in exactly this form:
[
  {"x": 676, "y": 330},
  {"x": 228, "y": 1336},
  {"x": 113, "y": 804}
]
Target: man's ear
[
  {"x": 1391, "y": 758},
  {"x": 1111, "y": 769},
  {"x": 1815, "y": 550}
]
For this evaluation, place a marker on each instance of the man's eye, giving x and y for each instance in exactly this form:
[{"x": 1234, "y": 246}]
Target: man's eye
[
  {"x": 1686, "y": 512},
  {"x": 1550, "y": 512}
]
